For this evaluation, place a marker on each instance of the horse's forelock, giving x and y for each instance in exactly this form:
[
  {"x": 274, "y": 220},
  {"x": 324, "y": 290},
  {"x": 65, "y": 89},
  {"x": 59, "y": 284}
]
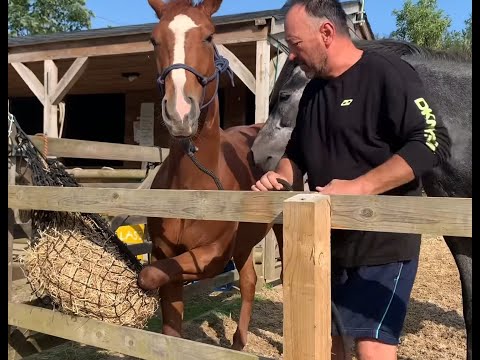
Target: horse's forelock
[{"x": 283, "y": 77}]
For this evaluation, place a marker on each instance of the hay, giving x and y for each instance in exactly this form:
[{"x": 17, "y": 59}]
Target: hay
[{"x": 86, "y": 277}]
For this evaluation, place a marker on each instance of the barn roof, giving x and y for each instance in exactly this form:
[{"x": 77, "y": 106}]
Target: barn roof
[
  {"x": 134, "y": 29},
  {"x": 349, "y": 6}
]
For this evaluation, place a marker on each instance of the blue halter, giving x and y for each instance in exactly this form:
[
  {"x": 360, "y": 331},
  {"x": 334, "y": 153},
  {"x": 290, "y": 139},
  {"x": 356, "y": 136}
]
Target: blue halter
[{"x": 221, "y": 66}]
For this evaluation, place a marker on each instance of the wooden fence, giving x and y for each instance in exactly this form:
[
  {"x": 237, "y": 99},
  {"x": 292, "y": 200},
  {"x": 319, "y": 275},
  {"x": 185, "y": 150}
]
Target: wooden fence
[{"x": 307, "y": 220}]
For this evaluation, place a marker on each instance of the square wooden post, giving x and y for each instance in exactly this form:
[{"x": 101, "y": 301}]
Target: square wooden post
[{"x": 306, "y": 278}]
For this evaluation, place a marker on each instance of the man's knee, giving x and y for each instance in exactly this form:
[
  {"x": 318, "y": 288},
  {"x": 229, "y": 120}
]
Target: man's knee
[{"x": 371, "y": 349}]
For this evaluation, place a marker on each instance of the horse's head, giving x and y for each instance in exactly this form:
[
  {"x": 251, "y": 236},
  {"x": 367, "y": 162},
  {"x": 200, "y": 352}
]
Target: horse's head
[
  {"x": 271, "y": 141},
  {"x": 185, "y": 56}
]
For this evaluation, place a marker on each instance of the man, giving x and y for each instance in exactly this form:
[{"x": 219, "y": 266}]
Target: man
[{"x": 364, "y": 127}]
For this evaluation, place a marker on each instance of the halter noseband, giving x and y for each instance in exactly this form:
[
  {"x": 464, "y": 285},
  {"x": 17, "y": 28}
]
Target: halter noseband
[{"x": 221, "y": 66}]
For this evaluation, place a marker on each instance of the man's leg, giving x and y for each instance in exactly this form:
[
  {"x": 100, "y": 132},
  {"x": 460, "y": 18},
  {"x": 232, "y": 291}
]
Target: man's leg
[
  {"x": 369, "y": 349},
  {"x": 372, "y": 302}
]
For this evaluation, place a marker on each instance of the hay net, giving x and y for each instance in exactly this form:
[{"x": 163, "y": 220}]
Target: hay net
[{"x": 75, "y": 259}]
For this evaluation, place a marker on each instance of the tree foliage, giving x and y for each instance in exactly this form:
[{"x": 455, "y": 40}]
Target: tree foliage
[
  {"x": 424, "y": 24},
  {"x": 29, "y": 17}
]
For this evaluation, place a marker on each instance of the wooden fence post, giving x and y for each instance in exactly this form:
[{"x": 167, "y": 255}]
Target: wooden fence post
[{"x": 306, "y": 277}]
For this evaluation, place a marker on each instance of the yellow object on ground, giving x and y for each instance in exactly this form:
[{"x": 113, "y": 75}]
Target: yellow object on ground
[{"x": 132, "y": 234}]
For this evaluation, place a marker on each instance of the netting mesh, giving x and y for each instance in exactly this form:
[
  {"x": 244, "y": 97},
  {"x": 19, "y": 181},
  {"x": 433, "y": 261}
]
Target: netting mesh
[{"x": 76, "y": 259}]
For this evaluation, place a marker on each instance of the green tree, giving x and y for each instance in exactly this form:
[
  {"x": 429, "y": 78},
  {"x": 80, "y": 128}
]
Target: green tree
[
  {"x": 421, "y": 23},
  {"x": 29, "y": 17}
]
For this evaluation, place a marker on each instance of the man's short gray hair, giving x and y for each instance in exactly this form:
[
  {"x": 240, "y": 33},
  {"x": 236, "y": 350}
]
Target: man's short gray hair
[{"x": 330, "y": 9}]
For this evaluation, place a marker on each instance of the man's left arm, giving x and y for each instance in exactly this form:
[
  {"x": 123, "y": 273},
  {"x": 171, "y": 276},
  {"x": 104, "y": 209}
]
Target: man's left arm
[{"x": 424, "y": 140}]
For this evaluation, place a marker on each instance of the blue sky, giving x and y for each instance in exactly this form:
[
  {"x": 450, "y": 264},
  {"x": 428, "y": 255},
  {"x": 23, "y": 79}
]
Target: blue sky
[{"x": 379, "y": 12}]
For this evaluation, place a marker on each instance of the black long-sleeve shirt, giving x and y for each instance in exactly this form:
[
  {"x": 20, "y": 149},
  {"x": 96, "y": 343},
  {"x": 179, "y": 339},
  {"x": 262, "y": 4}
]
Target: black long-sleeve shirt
[{"x": 351, "y": 124}]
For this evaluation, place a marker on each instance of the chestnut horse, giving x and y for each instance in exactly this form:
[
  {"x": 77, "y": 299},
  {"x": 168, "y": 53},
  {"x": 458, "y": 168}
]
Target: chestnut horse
[{"x": 202, "y": 157}]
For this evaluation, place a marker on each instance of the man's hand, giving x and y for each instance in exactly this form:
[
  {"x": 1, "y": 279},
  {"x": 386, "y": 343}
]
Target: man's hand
[
  {"x": 343, "y": 187},
  {"x": 269, "y": 182}
]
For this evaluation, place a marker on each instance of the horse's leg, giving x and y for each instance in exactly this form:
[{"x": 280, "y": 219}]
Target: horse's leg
[
  {"x": 436, "y": 185},
  {"x": 171, "y": 303},
  {"x": 461, "y": 249},
  {"x": 248, "y": 279},
  {"x": 278, "y": 230},
  {"x": 248, "y": 235},
  {"x": 171, "y": 297},
  {"x": 195, "y": 264}
]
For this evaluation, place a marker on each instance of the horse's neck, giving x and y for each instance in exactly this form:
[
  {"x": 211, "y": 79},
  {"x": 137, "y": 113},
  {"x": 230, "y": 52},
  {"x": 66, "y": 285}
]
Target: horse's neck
[{"x": 208, "y": 144}]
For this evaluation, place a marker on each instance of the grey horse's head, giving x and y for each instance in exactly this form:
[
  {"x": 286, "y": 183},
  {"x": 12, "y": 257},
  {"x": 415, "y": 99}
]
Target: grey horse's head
[{"x": 271, "y": 141}]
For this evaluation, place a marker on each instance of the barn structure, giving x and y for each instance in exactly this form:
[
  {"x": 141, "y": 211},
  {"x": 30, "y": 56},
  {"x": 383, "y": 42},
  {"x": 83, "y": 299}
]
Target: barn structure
[{"x": 91, "y": 84}]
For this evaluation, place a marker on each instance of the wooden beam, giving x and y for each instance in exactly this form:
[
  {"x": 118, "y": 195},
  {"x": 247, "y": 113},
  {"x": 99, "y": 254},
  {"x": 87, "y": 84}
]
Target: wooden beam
[
  {"x": 68, "y": 80},
  {"x": 211, "y": 283},
  {"x": 306, "y": 278},
  {"x": 12, "y": 165},
  {"x": 262, "y": 81},
  {"x": 238, "y": 67},
  {"x": 132, "y": 342},
  {"x": 131, "y": 174},
  {"x": 132, "y": 185},
  {"x": 10, "y": 225},
  {"x": 50, "y": 111},
  {"x": 269, "y": 256},
  {"x": 83, "y": 149},
  {"x": 401, "y": 214},
  {"x": 31, "y": 80},
  {"x": 134, "y": 44}
]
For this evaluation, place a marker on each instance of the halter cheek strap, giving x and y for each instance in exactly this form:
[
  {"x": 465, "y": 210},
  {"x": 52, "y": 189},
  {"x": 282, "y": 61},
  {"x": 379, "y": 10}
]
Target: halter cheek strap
[{"x": 221, "y": 66}]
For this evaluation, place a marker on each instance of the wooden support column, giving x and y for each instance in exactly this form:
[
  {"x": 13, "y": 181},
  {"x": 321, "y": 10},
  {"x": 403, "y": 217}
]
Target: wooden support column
[
  {"x": 51, "y": 93},
  {"x": 12, "y": 354},
  {"x": 269, "y": 257},
  {"x": 262, "y": 81},
  {"x": 306, "y": 277},
  {"x": 50, "y": 111}
]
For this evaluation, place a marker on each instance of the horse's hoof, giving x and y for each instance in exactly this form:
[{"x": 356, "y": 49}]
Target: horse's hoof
[
  {"x": 151, "y": 278},
  {"x": 238, "y": 342}
]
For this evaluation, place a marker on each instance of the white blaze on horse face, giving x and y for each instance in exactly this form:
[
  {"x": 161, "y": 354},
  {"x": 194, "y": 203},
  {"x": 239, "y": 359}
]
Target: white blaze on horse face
[{"x": 180, "y": 25}]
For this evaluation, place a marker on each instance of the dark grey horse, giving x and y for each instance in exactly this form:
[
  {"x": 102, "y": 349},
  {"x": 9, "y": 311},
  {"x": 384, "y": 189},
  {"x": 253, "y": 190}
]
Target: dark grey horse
[{"x": 448, "y": 82}]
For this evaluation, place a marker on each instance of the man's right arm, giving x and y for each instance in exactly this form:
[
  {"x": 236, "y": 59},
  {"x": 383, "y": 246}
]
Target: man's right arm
[{"x": 286, "y": 170}]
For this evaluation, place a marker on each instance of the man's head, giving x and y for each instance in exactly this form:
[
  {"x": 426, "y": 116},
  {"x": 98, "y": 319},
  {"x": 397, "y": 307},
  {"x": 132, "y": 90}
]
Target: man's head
[{"x": 311, "y": 28}]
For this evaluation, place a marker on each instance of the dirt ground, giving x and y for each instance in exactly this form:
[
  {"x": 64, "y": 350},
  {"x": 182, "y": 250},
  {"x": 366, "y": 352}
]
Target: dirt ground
[{"x": 434, "y": 327}]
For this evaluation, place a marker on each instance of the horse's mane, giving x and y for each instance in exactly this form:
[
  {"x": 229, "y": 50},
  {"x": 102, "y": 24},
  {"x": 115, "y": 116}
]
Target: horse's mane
[{"x": 404, "y": 48}]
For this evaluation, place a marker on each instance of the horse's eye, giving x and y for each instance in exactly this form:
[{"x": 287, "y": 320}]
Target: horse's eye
[
  {"x": 209, "y": 38},
  {"x": 284, "y": 96},
  {"x": 154, "y": 43}
]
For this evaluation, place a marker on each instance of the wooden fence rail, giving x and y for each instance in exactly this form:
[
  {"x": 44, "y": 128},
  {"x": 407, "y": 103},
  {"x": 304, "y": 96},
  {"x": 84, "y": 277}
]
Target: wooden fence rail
[
  {"x": 83, "y": 149},
  {"x": 307, "y": 219},
  {"x": 400, "y": 214}
]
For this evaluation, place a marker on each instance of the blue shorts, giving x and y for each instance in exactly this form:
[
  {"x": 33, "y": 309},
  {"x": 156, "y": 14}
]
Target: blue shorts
[{"x": 372, "y": 300}]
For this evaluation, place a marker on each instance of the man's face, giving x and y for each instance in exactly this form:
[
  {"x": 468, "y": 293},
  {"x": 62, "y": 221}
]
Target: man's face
[{"x": 305, "y": 42}]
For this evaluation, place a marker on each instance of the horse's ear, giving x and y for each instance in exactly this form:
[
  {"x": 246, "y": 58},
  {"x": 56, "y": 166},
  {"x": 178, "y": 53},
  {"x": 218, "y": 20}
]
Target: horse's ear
[
  {"x": 210, "y": 6},
  {"x": 158, "y": 6}
]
